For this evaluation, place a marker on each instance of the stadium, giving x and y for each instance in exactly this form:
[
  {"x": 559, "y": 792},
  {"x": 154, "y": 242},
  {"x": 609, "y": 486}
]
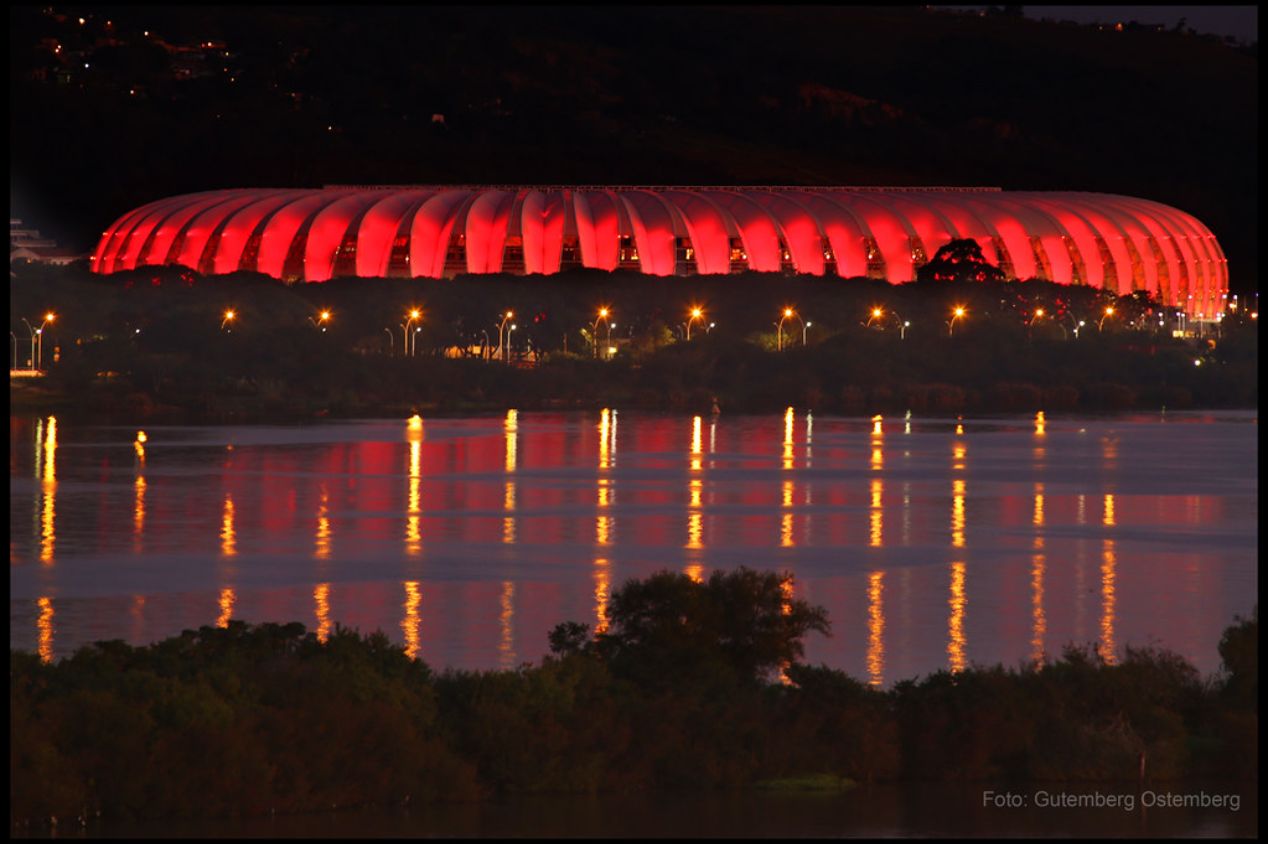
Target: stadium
[{"x": 1116, "y": 243}]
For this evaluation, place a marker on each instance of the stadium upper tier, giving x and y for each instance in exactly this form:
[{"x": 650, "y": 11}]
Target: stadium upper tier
[{"x": 1118, "y": 243}]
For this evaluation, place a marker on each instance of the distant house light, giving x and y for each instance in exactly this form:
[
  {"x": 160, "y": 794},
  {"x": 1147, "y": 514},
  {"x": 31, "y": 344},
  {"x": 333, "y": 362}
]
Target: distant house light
[{"x": 438, "y": 118}]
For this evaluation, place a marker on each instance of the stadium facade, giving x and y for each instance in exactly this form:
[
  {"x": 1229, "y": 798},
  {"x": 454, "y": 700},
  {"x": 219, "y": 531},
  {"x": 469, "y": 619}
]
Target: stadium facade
[{"x": 1116, "y": 243}]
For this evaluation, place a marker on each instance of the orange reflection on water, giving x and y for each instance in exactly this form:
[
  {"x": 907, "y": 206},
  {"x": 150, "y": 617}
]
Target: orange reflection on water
[
  {"x": 876, "y": 628},
  {"x": 48, "y": 492},
  {"x": 228, "y": 537},
  {"x": 44, "y": 624},
  {"x": 322, "y": 545},
  {"x": 413, "y": 532},
  {"x": 601, "y": 587},
  {"x": 955, "y": 622},
  {"x": 786, "y": 523},
  {"x": 138, "y": 511},
  {"x": 695, "y": 571},
  {"x": 810, "y": 421},
  {"x": 1041, "y": 424},
  {"x": 412, "y": 622},
  {"x": 227, "y": 599},
  {"x": 1109, "y": 599},
  {"x": 788, "y": 438},
  {"x": 1108, "y": 513},
  {"x": 321, "y": 600},
  {"x": 607, "y": 438},
  {"x": 877, "y": 514},
  {"x": 695, "y": 518},
  {"x": 512, "y": 438},
  {"x": 697, "y": 443},
  {"x": 957, "y": 513},
  {"x": 506, "y": 647},
  {"x": 1037, "y": 518},
  {"x": 958, "y": 451},
  {"x": 1039, "y": 626}
]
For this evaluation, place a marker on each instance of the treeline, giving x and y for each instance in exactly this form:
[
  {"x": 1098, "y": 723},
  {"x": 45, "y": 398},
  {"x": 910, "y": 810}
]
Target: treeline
[
  {"x": 158, "y": 333},
  {"x": 692, "y": 685}
]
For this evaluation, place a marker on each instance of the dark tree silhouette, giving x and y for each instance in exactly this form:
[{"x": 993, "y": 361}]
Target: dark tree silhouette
[{"x": 960, "y": 260}]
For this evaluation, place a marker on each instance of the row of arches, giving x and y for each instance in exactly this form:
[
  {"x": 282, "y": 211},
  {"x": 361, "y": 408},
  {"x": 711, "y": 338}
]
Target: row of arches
[{"x": 1117, "y": 243}]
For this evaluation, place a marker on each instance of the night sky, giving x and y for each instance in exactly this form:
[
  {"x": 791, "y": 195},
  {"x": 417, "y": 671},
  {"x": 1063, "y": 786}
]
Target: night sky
[{"x": 1240, "y": 22}]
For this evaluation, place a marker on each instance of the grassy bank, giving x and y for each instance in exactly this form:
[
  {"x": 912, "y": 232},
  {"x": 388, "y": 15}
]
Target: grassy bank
[
  {"x": 152, "y": 345},
  {"x": 683, "y": 690}
]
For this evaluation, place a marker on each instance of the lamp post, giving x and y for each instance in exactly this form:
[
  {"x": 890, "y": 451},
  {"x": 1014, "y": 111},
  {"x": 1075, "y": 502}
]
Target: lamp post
[
  {"x": 1037, "y": 315},
  {"x": 413, "y": 315},
  {"x": 804, "y": 326},
  {"x": 484, "y": 349},
  {"x": 902, "y": 332},
  {"x": 506, "y": 317},
  {"x": 14, "y": 337},
  {"x": 322, "y": 318},
  {"x": 506, "y": 356},
  {"x": 695, "y": 314},
  {"x": 48, "y": 317},
  {"x": 594, "y": 335},
  {"x": 230, "y": 316},
  {"x": 875, "y": 314},
  {"x": 955, "y": 314},
  {"x": 779, "y": 328},
  {"x": 391, "y": 341},
  {"x": 1109, "y": 312}
]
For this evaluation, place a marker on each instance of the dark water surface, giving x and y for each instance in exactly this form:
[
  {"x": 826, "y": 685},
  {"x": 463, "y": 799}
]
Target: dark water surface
[
  {"x": 931, "y": 545},
  {"x": 910, "y": 810}
]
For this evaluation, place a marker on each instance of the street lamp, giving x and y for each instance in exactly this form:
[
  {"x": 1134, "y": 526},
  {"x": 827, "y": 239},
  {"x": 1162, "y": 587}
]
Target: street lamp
[
  {"x": 902, "y": 332},
  {"x": 696, "y": 313},
  {"x": 15, "y": 350},
  {"x": 506, "y": 317},
  {"x": 230, "y": 316},
  {"x": 779, "y": 328},
  {"x": 594, "y": 336},
  {"x": 804, "y": 326},
  {"x": 322, "y": 318},
  {"x": 955, "y": 314},
  {"x": 1109, "y": 312},
  {"x": 507, "y": 354},
  {"x": 410, "y": 343},
  {"x": 391, "y": 341},
  {"x": 876, "y": 314}
]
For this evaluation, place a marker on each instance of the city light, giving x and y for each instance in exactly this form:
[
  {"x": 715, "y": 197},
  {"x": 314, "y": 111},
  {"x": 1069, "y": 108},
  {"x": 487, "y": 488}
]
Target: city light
[
  {"x": 229, "y": 316},
  {"x": 696, "y": 313},
  {"x": 957, "y": 313},
  {"x": 1109, "y": 312}
]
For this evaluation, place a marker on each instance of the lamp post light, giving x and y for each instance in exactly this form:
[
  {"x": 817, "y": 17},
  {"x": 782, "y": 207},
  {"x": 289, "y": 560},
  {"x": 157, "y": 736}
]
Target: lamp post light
[
  {"x": 48, "y": 317},
  {"x": 322, "y": 318},
  {"x": 1109, "y": 312},
  {"x": 876, "y": 314},
  {"x": 902, "y": 332},
  {"x": 804, "y": 326},
  {"x": 779, "y": 329},
  {"x": 712, "y": 326},
  {"x": 957, "y": 313},
  {"x": 229, "y": 316},
  {"x": 1038, "y": 314},
  {"x": 410, "y": 342},
  {"x": 506, "y": 317},
  {"x": 594, "y": 335},
  {"x": 507, "y": 353},
  {"x": 695, "y": 314}
]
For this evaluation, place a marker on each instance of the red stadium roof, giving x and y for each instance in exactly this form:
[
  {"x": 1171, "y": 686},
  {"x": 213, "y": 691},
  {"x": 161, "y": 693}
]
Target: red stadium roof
[{"x": 1106, "y": 241}]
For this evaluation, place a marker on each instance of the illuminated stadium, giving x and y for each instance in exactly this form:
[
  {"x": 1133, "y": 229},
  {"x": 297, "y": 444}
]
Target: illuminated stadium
[{"x": 1105, "y": 241}]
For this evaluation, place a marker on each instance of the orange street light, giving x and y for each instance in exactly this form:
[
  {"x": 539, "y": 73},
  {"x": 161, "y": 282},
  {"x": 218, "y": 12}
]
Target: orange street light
[
  {"x": 696, "y": 313},
  {"x": 594, "y": 336},
  {"x": 957, "y": 313},
  {"x": 230, "y": 316},
  {"x": 779, "y": 329},
  {"x": 413, "y": 316},
  {"x": 1109, "y": 312},
  {"x": 502, "y": 352},
  {"x": 323, "y": 317},
  {"x": 876, "y": 313}
]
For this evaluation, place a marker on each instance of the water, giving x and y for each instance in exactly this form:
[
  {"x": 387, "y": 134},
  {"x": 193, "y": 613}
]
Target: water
[{"x": 932, "y": 543}]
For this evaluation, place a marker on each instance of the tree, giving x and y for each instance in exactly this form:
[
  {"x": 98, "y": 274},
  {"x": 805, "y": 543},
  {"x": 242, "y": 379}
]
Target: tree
[
  {"x": 960, "y": 260},
  {"x": 735, "y": 628}
]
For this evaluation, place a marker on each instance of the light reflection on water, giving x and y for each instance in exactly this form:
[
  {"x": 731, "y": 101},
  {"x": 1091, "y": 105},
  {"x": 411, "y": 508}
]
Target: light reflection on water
[{"x": 530, "y": 521}]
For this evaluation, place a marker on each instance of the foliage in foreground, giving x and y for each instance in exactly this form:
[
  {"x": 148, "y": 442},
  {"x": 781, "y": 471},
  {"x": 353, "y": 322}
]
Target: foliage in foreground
[{"x": 692, "y": 685}]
